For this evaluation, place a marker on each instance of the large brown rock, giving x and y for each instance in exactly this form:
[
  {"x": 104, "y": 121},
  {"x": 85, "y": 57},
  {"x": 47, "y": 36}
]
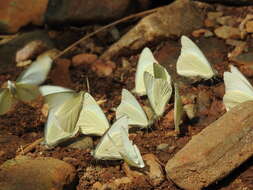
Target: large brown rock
[
  {"x": 85, "y": 11},
  {"x": 15, "y": 14},
  {"x": 25, "y": 173},
  {"x": 176, "y": 19},
  {"x": 215, "y": 151},
  {"x": 229, "y": 2}
]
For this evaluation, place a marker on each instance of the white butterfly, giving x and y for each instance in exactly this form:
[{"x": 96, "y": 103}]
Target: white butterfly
[
  {"x": 158, "y": 89},
  {"x": 62, "y": 119},
  {"x": 92, "y": 120},
  {"x": 178, "y": 109},
  {"x": 115, "y": 145},
  {"x": 25, "y": 88},
  {"x": 131, "y": 108},
  {"x": 237, "y": 88},
  {"x": 145, "y": 64},
  {"x": 192, "y": 62},
  {"x": 70, "y": 112}
]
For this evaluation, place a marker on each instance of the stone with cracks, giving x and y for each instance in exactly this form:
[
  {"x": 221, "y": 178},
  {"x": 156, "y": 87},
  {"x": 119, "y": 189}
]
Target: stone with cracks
[{"x": 215, "y": 151}]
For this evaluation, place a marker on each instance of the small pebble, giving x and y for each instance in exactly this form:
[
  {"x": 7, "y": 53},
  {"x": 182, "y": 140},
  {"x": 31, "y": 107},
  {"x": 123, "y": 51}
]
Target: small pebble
[
  {"x": 162, "y": 146},
  {"x": 227, "y": 32},
  {"x": 84, "y": 58}
]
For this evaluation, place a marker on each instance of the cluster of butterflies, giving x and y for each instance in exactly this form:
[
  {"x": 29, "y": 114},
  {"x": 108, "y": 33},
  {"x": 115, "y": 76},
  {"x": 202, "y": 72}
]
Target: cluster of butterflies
[{"x": 71, "y": 112}]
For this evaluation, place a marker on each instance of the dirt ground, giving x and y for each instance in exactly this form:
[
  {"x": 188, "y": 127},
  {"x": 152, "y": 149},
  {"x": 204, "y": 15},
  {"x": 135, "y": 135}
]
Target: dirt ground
[{"x": 26, "y": 122}]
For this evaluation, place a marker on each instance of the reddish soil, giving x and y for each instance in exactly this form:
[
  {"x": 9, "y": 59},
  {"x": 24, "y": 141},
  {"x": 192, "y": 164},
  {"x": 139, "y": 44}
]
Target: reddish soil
[{"x": 26, "y": 122}]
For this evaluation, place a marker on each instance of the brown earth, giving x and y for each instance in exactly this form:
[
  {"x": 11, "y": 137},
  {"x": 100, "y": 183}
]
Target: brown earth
[{"x": 25, "y": 123}]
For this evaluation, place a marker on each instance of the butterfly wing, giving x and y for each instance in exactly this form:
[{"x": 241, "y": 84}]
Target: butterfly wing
[
  {"x": 237, "y": 88},
  {"x": 161, "y": 72},
  {"x": 92, "y": 120},
  {"x": 145, "y": 63},
  {"x": 158, "y": 91},
  {"x": 51, "y": 89},
  {"x": 192, "y": 62},
  {"x": 106, "y": 149},
  {"x": 129, "y": 152},
  {"x": 178, "y": 109},
  {"x": 68, "y": 113},
  {"x": 55, "y": 95},
  {"x": 130, "y": 107},
  {"x": 26, "y": 92},
  {"x": 37, "y": 72},
  {"x": 6, "y": 100},
  {"x": 62, "y": 119}
]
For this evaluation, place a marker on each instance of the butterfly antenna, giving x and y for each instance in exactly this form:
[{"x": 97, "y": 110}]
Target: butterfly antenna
[{"x": 88, "y": 84}]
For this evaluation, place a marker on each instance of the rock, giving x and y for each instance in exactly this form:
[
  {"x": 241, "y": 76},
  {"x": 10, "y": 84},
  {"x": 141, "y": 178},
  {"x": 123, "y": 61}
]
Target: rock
[
  {"x": 226, "y": 32},
  {"x": 155, "y": 172},
  {"x": 15, "y": 14},
  {"x": 103, "y": 68},
  {"x": 81, "y": 12},
  {"x": 180, "y": 17},
  {"x": 30, "y": 50},
  {"x": 2, "y": 153},
  {"x": 249, "y": 26},
  {"x": 97, "y": 186},
  {"x": 202, "y": 32},
  {"x": 229, "y": 2},
  {"x": 8, "y": 50},
  {"x": 203, "y": 102},
  {"x": 215, "y": 151},
  {"x": 226, "y": 20},
  {"x": 237, "y": 51},
  {"x": 132, "y": 173},
  {"x": 24, "y": 63},
  {"x": 242, "y": 25},
  {"x": 236, "y": 42},
  {"x": 189, "y": 98},
  {"x": 84, "y": 58},
  {"x": 214, "y": 15},
  {"x": 44, "y": 110},
  {"x": 81, "y": 143},
  {"x": 162, "y": 146},
  {"x": 190, "y": 110},
  {"x": 6, "y": 38},
  {"x": 53, "y": 53},
  {"x": 209, "y": 23},
  {"x": 113, "y": 185},
  {"x": 62, "y": 79},
  {"x": 36, "y": 174},
  {"x": 244, "y": 58},
  {"x": 168, "y": 119},
  {"x": 219, "y": 91}
]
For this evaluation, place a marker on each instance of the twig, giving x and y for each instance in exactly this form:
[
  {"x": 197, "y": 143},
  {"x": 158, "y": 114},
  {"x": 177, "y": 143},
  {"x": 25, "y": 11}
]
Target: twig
[
  {"x": 104, "y": 28},
  {"x": 31, "y": 146}
]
